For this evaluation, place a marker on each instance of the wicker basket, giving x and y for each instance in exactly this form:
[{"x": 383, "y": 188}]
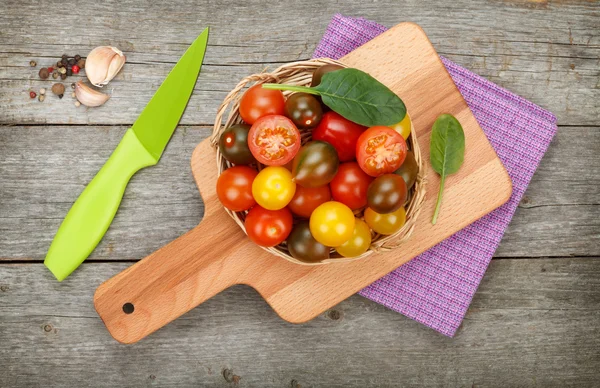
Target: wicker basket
[{"x": 300, "y": 73}]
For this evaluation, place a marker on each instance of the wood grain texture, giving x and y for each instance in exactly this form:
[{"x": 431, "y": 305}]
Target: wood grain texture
[
  {"x": 560, "y": 215},
  {"x": 532, "y": 323},
  {"x": 216, "y": 254},
  {"x": 545, "y": 51}
]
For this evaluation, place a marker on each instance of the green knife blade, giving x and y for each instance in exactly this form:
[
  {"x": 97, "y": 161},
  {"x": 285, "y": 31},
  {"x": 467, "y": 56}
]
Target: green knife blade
[
  {"x": 142, "y": 145},
  {"x": 159, "y": 119}
]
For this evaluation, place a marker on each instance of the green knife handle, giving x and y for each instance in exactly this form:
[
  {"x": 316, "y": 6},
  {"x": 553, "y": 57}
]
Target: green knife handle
[{"x": 91, "y": 214}]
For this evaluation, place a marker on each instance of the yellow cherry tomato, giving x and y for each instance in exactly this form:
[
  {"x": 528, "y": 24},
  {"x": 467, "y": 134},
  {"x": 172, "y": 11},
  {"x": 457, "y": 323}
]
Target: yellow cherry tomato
[
  {"x": 403, "y": 127},
  {"x": 359, "y": 242},
  {"x": 273, "y": 188},
  {"x": 332, "y": 223},
  {"x": 385, "y": 223}
]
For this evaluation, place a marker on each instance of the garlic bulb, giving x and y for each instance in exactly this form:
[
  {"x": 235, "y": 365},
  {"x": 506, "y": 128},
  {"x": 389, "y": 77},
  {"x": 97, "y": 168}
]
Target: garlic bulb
[
  {"x": 88, "y": 96},
  {"x": 102, "y": 64}
]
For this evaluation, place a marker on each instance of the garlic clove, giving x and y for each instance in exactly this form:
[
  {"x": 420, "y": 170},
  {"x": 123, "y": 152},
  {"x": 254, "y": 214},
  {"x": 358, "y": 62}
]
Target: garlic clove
[
  {"x": 88, "y": 96},
  {"x": 103, "y": 64}
]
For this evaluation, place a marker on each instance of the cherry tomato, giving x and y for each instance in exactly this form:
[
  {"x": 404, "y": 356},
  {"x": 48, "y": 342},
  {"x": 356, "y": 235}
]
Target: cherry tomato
[
  {"x": 258, "y": 102},
  {"x": 403, "y": 127},
  {"x": 234, "y": 188},
  {"x": 386, "y": 194},
  {"x": 409, "y": 170},
  {"x": 303, "y": 246},
  {"x": 332, "y": 223},
  {"x": 350, "y": 184},
  {"x": 315, "y": 164},
  {"x": 233, "y": 144},
  {"x": 273, "y": 188},
  {"x": 304, "y": 110},
  {"x": 385, "y": 223},
  {"x": 307, "y": 199},
  {"x": 321, "y": 71},
  {"x": 274, "y": 140},
  {"x": 268, "y": 228},
  {"x": 339, "y": 132},
  {"x": 360, "y": 241},
  {"x": 380, "y": 150}
]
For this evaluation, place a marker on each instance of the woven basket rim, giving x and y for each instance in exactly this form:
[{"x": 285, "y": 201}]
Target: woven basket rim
[{"x": 300, "y": 73}]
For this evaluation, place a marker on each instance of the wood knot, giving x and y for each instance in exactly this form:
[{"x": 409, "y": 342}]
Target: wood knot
[
  {"x": 334, "y": 315},
  {"x": 48, "y": 328},
  {"x": 3, "y": 288},
  {"x": 230, "y": 377},
  {"x": 295, "y": 384}
]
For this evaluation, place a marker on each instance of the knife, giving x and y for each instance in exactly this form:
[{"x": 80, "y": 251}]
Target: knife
[{"x": 141, "y": 146}]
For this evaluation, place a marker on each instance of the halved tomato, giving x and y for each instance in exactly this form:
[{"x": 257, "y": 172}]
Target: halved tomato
[
  {"x": 380, "y": 150},
  {"x": 274, "y": 140}
]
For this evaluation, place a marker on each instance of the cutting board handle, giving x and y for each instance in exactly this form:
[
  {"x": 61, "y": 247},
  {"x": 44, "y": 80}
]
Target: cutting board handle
[{"x": 172, "y": 280}]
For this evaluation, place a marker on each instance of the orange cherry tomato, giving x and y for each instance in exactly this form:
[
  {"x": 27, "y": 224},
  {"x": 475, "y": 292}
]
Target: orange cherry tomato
[
  {"x": 234, "y": 188},
  {"x": 258, "y": 102},
  {"x": 274, "y": 140},
  {"x": 380, "y": 150},
  {"x": 268, "y": 228}
]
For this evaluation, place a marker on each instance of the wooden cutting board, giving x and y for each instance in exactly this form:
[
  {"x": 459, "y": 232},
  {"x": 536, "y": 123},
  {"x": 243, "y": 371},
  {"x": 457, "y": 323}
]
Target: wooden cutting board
[{"x": 217, "y": 254}]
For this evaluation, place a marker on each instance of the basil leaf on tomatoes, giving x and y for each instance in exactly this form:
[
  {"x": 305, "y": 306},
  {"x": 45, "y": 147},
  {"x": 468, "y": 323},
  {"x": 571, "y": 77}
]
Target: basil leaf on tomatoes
[
  {"x": 355, "y": 95},
  {"x": 446, "y": 152}
]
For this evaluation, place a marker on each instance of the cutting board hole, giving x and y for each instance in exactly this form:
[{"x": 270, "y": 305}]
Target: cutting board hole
[{"x": 128, "y": 308}]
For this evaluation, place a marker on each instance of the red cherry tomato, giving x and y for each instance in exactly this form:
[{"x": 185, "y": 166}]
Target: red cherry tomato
[
  {"x": 274, "y": 140},
  {"x": 268, "y": 228},
  {"x": 234, "y": 188},
  {"x": 308, "y": 199},
  {"x": 258, "y": 102},
  {"x": 380, "y": 150},
  {"x": 341, "y": 133},
  {"x": 350, "y": 184}
]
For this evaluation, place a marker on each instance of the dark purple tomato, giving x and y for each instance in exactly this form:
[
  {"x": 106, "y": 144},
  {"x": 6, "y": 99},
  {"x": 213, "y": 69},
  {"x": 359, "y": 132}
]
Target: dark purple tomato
[
  {"x": 409, "y": 170},
  {"x": 233, "y": 145},
  {"x": 315, "y": 164},
  {"x": 387, "y": 193},
  {"x": 321, "y": 71},
  {"x": 304, "y": 110},
  {"x": 303, "y": 246}
]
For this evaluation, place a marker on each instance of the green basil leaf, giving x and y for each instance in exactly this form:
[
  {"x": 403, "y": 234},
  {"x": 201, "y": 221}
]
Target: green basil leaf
[
  {"x": 360, "y": 98},
  {"x": 446, "y": 151}
]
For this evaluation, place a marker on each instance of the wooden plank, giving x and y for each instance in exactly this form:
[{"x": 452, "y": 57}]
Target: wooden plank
[
  {"x": 43, "y": 170},
  {"x": 532, "y": 323},
  {"x": 548, "y": 53}
]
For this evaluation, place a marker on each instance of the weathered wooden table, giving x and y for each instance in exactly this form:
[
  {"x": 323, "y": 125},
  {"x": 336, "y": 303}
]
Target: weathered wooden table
[{"x": 534, "y": 322}]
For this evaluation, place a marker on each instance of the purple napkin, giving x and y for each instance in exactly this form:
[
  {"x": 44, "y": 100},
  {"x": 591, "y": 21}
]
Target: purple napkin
[{"x": 436, "y": 287}]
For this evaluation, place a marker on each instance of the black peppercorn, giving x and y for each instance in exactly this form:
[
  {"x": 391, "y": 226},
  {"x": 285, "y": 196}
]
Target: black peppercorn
[
  {"x": 69, "y": 71},
  {"x": 71, "y": 61},
  {"x": 65, "y": 56},
  {"x": 77, "y": 57},
  {"x": 59, "y": 64},
  {"x": 63, "y": 76},
  {"x": 64, "y": 62},
  {"x": 81, "y": 63}
]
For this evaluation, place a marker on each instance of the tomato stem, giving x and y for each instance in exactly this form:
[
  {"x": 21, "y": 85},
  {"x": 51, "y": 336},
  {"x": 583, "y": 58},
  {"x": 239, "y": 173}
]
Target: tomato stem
[
  {"x": 293, "y": 88},
  {"x": 439, "y": 201}
]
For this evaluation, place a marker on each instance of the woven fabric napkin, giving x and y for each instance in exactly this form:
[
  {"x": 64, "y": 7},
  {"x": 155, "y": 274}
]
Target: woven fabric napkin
[{"x": 437, "y": 287}]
